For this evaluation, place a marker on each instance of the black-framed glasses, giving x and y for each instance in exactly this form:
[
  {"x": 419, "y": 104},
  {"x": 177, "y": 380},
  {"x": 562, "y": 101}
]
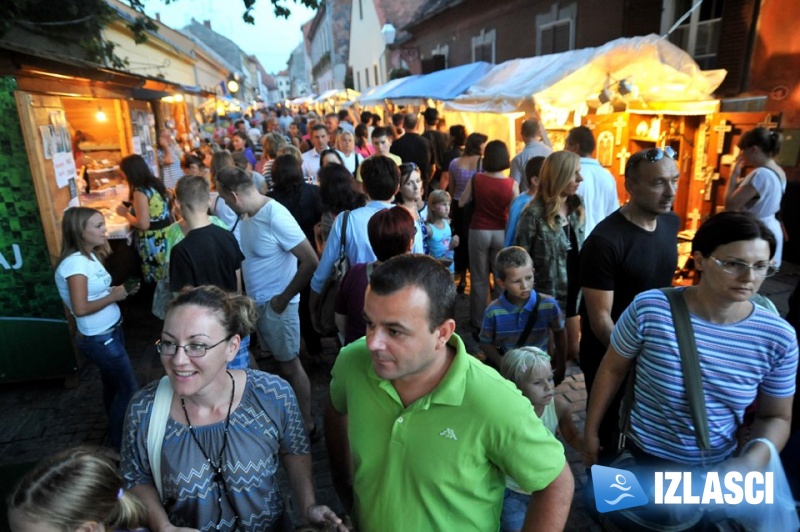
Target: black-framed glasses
[
  {"x": 167, "y": 348},
  {"x": 652, "y": 155},
  {"x": 740, "y": 269}
]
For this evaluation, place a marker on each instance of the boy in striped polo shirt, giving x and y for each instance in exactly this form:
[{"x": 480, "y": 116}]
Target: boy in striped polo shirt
[{"x": 506, "y": 318}]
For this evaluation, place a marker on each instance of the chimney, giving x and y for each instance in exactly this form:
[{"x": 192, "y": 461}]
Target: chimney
[
  {"x": 207, "y": 24},
  {"x": 158, "y": 17}
]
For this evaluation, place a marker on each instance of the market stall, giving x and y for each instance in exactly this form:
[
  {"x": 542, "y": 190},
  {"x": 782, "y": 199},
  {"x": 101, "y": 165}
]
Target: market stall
[
  {"x": 68, "y": 124},
  {"x": 635, "y": 93}
]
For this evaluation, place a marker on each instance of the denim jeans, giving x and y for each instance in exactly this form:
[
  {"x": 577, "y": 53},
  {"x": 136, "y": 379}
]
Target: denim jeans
[
  {"x": 515, "y": 506},
  {"x": 107, "y": 351}
]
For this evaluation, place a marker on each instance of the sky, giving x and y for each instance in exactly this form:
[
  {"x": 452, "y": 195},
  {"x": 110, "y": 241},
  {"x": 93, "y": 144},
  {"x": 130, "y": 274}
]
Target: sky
[{"x": 271, "y": 39}]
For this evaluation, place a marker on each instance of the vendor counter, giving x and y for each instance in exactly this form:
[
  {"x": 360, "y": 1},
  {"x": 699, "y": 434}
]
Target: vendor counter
[{"x": 124, "y": 261}]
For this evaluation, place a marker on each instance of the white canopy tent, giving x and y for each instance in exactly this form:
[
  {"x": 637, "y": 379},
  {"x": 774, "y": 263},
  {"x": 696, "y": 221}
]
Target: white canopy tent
[{"x": 657, "y": 68}]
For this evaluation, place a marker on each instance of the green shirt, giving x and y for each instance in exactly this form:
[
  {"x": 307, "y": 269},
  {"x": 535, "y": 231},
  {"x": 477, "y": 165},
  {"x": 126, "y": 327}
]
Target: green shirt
[
  {"x": 175, "y": 234},
  {"x": 441, "y": 462}
]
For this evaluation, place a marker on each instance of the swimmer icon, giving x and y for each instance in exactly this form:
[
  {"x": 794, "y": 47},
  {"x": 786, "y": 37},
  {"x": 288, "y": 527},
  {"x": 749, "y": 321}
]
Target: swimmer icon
[{"x": 616, "y": 489}]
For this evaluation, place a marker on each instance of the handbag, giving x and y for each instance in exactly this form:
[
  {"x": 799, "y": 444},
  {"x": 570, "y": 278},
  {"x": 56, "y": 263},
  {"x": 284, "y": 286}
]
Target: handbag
[{"x": 326, "y": 304}]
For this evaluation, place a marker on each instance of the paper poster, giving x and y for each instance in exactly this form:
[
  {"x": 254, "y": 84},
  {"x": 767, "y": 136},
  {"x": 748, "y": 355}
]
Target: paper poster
[
  {"x": 48, "y": 140},
  {"x": 61, "y": 148},
  {"x": 137, "y": 147},
  {"x": 64, "y": 165}
]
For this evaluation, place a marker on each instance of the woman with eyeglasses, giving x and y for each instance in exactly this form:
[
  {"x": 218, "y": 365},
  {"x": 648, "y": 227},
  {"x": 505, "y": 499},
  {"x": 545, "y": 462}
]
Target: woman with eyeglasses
[
  {"x": 745, "y": 352},
  {"x": 410, "y": 197},
  {"x": 226, "y": 430},
  {"x": 551, "y": 228},
  {"x": 761, "y": 191}
]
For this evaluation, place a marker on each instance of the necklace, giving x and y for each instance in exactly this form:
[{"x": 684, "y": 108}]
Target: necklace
[{"x": 219, "y": 479}]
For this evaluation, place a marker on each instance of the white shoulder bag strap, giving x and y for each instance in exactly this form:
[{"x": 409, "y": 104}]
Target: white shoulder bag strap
[{"x": 157, "y": 428}]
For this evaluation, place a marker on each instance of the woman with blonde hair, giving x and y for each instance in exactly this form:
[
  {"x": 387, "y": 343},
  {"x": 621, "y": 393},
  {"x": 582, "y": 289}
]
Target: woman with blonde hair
[
  {"x": 85, "y": 288},
  {"x": 346, "y": 146},
  {"x": 77, "y": 489},
  {"x": 551, "y": 228}
]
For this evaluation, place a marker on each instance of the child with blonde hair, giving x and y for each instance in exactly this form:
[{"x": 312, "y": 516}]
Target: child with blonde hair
[
  {"x": 76, "y": 489},
  {"x": 529, "y": 368},
  {"x": 440, "y": 240}
]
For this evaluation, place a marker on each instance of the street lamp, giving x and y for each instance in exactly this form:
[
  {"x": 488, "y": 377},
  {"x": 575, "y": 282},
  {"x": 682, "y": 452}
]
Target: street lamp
[{"x": 388, "y": 32}]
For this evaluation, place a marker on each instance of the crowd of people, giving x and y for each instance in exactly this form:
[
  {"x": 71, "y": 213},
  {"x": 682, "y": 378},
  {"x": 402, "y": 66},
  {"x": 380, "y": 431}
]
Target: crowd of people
[{"x": 421, "y": 433}]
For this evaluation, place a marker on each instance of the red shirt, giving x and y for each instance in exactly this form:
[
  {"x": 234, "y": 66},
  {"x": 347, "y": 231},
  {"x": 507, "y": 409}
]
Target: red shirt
[{"x": 491, "y": 197}]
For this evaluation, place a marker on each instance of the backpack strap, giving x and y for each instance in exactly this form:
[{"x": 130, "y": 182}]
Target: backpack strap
[{"x": 526, "y": 332}]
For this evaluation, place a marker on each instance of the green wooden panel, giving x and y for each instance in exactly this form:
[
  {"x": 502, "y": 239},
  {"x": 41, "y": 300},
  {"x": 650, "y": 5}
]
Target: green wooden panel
[{"x": 33, "y": 333}]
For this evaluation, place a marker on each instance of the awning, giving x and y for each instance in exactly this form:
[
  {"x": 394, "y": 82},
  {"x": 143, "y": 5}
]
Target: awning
[
  {"x": 440, "y": 85},
  {"x": 303, "y": 99},
  {"x": 660, "y": 70},
  {"x": 27, "y": 60},
  {"x": 376, "y": 95},
  {"x": 338, "y": 95}
]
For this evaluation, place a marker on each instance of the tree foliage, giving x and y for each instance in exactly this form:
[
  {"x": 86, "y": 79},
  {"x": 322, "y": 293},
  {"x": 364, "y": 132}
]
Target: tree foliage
[{"x": 82, "y": 22}]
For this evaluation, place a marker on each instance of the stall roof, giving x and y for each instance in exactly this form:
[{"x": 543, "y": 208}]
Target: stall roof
[
  {"x": 23, "y": 59},
  {"x": 376, "y": 95},
  {"x": 337, "y": 94},
  {"x": 441, "y": 85},
  {"x": 660, "y": 70}
]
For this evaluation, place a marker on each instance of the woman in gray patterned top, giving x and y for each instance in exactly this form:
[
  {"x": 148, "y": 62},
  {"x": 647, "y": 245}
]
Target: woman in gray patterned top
[{"x": 226, "y": 429}]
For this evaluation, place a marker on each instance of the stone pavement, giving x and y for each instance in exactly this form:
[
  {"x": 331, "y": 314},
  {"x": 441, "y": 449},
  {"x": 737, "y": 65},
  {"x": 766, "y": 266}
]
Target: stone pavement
[{"x": 41, "y": 418}]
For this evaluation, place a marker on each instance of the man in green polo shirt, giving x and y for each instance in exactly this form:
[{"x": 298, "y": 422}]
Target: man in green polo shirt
[{"x": 420, "y": 434}]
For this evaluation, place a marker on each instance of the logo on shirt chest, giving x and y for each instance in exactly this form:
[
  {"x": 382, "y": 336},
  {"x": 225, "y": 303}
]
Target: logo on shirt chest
[{"x": 449, "y": 434}]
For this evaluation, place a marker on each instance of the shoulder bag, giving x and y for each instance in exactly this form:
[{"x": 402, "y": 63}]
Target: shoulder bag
[
  {"x": 325, "y": 309},
  {"x": 157, "y": 428}
]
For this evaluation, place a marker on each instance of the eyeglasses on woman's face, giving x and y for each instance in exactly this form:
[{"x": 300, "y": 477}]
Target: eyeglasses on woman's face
[
  {"x": 194, "y": 350},
  {"x": 738, "y": 268}
]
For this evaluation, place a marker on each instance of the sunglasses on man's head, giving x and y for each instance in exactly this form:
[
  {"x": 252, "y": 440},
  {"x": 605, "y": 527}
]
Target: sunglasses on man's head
[{"x": 652, "y": 155}]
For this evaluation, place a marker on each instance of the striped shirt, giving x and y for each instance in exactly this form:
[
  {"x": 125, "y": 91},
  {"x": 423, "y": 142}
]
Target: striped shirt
[
  {"x": 503, "y": 322},
  {"x": 737, "y": 360}
]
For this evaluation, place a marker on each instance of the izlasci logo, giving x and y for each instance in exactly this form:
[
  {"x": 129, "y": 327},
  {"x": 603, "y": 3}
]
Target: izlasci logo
[{"x": 616, "y": 489}]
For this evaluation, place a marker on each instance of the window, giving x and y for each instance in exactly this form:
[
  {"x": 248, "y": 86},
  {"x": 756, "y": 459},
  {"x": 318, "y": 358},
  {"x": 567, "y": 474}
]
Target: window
[
  {"x": 444, "y": 51},
  {"x": 699, "y": 33},
  {"x": 483, "y": 46},
  {"x": 360, "y": 11},
  {"x": 555, "y": 37},
  {"x": 555, "y": 30},
  {"x": 377, "y": 79},
  {"x": 366, "y": 77},
  {"x": 358, "y": 81}
]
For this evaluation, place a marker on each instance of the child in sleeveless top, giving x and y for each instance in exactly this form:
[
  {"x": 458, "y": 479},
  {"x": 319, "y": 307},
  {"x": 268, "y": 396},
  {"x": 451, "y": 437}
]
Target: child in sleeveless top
[
  {"x": 440, "y": 239},
  {"x": 529, "y": 368}
]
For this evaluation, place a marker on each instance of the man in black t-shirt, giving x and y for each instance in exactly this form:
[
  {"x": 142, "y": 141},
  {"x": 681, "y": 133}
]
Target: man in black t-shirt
[
  {"x": 632, "y": 250},
  {"x": 439, "y": 143},
  {"x": 414, "y": 148}
]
